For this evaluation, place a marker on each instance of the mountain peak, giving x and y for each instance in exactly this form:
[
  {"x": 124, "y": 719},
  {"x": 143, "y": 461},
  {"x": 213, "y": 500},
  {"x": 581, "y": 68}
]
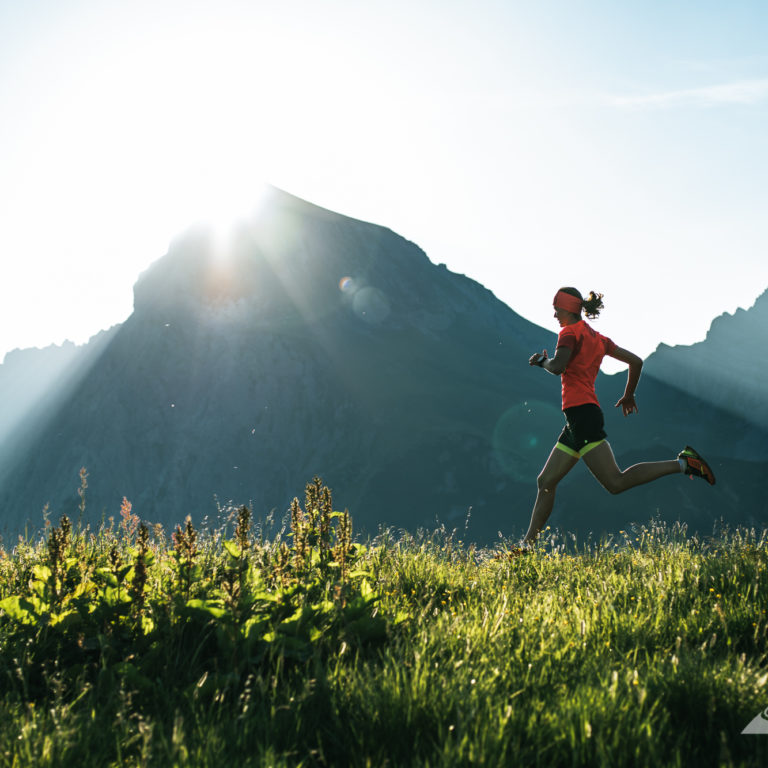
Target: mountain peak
[{"x": 295, "y": 262}]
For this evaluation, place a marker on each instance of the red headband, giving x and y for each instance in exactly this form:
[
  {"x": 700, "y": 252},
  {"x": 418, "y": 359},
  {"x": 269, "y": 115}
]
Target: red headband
[{"x": 567, "y": 302}]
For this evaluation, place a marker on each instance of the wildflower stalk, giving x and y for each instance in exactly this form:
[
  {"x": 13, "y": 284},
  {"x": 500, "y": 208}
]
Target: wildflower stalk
[
  {"x": 343, "y": 544},
  {"x": 234, "y": 582},
  {"x": 185, "y": 545},
  {"x": 115, "y": 563},
  {"x": 56, "y": 552},
  {"x": 81, "y": 492},
  {"x": 129, "y": 521},
  {"x": 140, "y": 568}
]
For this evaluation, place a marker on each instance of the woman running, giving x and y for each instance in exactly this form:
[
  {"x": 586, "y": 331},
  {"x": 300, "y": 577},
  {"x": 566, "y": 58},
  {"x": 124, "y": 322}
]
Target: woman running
[{"x": 580, "y": 350}]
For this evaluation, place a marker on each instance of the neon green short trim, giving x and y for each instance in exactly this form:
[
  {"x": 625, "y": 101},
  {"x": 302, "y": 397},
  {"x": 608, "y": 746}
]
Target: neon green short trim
[{"x": 578, "y": 454}]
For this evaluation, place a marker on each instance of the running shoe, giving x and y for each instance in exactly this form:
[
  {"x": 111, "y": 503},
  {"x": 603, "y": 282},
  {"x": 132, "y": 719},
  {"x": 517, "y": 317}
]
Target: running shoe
[{"x": 696, "y": 466}]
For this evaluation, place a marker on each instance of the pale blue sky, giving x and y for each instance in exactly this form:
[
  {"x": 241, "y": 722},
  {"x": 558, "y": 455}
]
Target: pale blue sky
[{"x": 616, "y": 146}]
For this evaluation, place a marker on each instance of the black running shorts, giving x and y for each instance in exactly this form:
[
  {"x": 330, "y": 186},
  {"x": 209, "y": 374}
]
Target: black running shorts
[{"x": 583, "y": 429}]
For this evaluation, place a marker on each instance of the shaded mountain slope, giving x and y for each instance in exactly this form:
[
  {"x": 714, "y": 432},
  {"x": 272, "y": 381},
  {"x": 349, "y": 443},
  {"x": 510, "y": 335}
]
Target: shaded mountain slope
[{"x": 728, "y": 368}]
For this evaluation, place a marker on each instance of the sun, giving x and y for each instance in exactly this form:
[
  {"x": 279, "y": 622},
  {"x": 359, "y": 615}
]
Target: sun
[{"x": 220, "y": 208}]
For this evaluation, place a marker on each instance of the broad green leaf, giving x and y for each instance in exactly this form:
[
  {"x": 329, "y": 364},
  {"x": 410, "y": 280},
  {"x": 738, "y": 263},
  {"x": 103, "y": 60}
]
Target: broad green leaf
[
  {"x": 19, "y": 609},
  {"x": 254, "y": 628},
  {"x": 232, "y": 548},
  {"x": 211, "y": 607},
  {"x": 65, "y": 619},
  {"x": 290, "y": 626},
  {"x": 116, "y": 596},
  {"x": 42, "y": 573},
  {"x": 400, "y": 617},
  {"x": 267, "y": 597},
  {"x": 108, "y": 576},
  {"x": 83, "y": 588},
  {"x": 41, "y": 589}
]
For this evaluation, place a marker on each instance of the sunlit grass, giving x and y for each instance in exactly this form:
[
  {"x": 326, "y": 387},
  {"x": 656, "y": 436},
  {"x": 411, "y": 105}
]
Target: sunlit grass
[{"x": 642, "y": 650}]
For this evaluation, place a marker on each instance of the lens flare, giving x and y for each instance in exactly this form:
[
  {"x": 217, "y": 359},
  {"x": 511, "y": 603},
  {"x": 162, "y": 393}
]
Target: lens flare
[
  {"x": 523, "y": 437},
  {"x": 371, "y": 305}
]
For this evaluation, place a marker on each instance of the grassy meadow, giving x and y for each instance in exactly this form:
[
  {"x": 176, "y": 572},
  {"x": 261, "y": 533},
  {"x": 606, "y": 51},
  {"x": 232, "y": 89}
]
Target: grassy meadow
[{"x": 133, "y": 646}]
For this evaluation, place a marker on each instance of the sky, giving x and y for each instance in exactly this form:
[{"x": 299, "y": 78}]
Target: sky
[{"x": 613, "y": 146}]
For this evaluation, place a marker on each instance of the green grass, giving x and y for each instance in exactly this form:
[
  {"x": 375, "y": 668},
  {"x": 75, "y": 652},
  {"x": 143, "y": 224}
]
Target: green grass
[{"x": 648, "y": 649}]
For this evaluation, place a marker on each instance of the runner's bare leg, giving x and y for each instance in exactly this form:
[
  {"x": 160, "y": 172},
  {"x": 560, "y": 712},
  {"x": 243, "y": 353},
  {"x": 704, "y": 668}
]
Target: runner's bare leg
[
  {"x": 602, "y": 464},
  {"x": 558, "y": 465}
]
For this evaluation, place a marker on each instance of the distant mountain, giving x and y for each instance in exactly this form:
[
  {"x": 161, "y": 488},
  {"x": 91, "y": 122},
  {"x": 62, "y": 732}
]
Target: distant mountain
[
  {"x": 30, "y": 377},
  {"x": 728, "y": 368},
  {"x": 312, "y": 343}
]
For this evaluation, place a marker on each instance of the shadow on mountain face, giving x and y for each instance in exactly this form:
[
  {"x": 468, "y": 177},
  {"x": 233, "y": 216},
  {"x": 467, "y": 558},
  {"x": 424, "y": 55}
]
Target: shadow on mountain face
[{"x": 35, "y": 385}]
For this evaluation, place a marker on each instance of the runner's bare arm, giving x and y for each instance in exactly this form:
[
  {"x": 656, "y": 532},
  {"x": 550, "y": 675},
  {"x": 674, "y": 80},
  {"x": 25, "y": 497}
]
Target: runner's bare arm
[
  {"x": 556, "y": 365},
  {"x": 627, "y": 402}
]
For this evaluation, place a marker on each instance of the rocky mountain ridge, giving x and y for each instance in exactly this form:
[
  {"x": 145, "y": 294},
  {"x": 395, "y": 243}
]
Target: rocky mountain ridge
[{"x": 727, "y": 368}]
